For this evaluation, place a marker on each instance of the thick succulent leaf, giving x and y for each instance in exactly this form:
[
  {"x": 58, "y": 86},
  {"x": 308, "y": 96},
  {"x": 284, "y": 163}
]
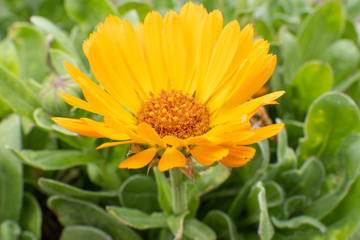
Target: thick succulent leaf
[
  {"x": 194, "y": 229},
  {"x": 81, "y": 232},
  {"x": 321, "y": 29},
  {"x": 15, "y": 93},
  {"x": 138, "y": 219},
  {"x": 222, "y": 224},
  {"x": 140, "y": 192},
  {"x": 55, "y": 159},
  {"x": 310, "y": 81},
  {"x": 53, "y": 187},
  {"x": 164, "y": 191},
  {"x": 298, "y": 221},
  {"x": 89, "y": 214},
  {"x": 31, "y": 215},
  {"x": 11, "y": 175},
  {"x": 331, "y": 118}
]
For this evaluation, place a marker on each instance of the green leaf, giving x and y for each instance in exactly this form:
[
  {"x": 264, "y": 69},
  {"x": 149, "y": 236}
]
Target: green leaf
[
  {"x": 176, "y": 224},
  {"x": 321, "y": 29},
  {"x": 291, "y": 55},
  {"x": 222, "y": 224},
  {"x": 210, "y": 179},
  {"x": 139, "y": 191},
  {"x": 266, "y": 229},
  {"x": 164, "y": 191},
  {"x": 251, "y": 172},
  {"x": 89, "y": 214},
  {"x": 296, "y": 222},
  {"x": 55, "y": 159},
  {"x": 141, "y": 8},
  {"x": 311, "y": 80},
  {"x": 274, "y": 194},
  {"x": 31, "y": 215},
  {"x": 26, "y": 235},
  {"x": 31, "y": 49},
  {"x": 194, "y": 229},
  {"x": 326, "y": 127},
  {"x": 9, "y": 230},
  {"x": 58, "y": 58},
  {"x": 138, "y": 219},
  {"x": 53, "y": 187},
  {"x": 15, "y": 93},
  {"x": 59, "y": 35},
  {"x": 343, "y": 56},
  {"x": 11, "y": 176},
  {"x": 293, "y": 205},
  {"x": 8, "y": 56},
  {"x": 348, "y": 168},
  {"x": 80, "y": 232},
  {"x": 89, "y": 13},
  {"x": 305, "y": 181}
]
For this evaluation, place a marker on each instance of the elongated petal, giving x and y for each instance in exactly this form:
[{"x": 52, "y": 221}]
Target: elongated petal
[
  {"x": 262, "y": 133},
  {"x": 112, "y": 144},
  {"x": 238, "y": 156},
  {"x": 207, "y": 155},
  {"x": 144, "y": 130},
  {"x": 171, "y": 158},
  {"x": 77, "y": 126},
  {"x": 139, "y": 160}
]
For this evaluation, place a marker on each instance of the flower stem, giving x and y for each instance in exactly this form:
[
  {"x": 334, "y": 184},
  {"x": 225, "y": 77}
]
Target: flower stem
[{"x": 178, "y": 188}]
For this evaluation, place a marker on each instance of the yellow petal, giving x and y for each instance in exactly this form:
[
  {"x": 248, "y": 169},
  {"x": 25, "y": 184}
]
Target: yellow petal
[
  {"x": 153, "y": 25},
  {"x": 207, "y": 155},
  {"x": 146, "y": 131},
  {"x": 171, "y": 158},
  {"x": 103, "y": 129},
  {"x": 77, "y": 102},
  {"x": 77, "y": 126},
  {"x": 262, "y": 133},
  {"x": 139, "y": 160},
  {"x": 238, "y": 156},
  {"x": 174, "y": 50},
  {"x": 210, "y": 31},
  {"x": 112, "y": 144},
  {"x": 174, "y": 141},
  {"x": 97, "y": 98},
  {"x": 246, "y": 109},
  {"x": 221, "y": 58}
]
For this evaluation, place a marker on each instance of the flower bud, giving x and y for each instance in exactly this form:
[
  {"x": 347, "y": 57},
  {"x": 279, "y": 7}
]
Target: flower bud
[{"x": 49, "y": 98}]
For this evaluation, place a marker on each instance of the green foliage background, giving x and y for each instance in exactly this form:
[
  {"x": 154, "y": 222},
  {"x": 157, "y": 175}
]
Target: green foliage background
[{"x": 54, "y": 185}]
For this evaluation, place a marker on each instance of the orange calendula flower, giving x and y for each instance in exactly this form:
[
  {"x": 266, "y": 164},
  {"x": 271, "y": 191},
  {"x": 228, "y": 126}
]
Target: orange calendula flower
[{"x": 178, "y": 86}]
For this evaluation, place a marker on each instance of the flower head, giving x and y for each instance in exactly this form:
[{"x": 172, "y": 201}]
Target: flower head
[{"x": 178, "y": 86}]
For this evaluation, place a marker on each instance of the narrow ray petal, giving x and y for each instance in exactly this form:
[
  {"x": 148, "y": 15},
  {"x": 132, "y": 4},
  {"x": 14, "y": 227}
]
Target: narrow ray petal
[
  {"x": 171, "y": 158},
  {"x": 112, "y": 144},
  {"x": 207, "y": 155},
  {"x": 139, "y": 160},
  {"x": 262, "y": 133},
  {"x": 77, "y": 126},
  {"x": 238, "y": 156}
]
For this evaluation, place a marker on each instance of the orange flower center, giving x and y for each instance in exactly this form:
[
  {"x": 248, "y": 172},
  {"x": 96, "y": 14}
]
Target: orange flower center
[{"x": 175, "y": 114}]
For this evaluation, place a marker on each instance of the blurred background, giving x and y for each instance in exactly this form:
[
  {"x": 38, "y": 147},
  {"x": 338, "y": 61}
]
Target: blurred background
[{"x": 303, "y": 185}]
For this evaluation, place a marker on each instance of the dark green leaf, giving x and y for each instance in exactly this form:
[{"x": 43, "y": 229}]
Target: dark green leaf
[
  {"x": 139, "y": 191},
  {"x": 321, "y": 29},
  {"x": 194, "y": 229},
  {"x": 331, "y": 118},
  {"x": 343, "y": 56},
  {"x": 222, "y": 224},
  {"x": 137, "y": 219},
  {"x": 80, "y": 232},
  {"x": 312, "y": 80},
  {"x": 72, "y": 212},
  {"x": 11, "y": 176},
  {"x": 266, "y": 229},
  {"x": 55, "y": 159},
  {"x": 298, "y": 221},
  {"x": 53, "y": 187},
  {"x": 31, "y": 215},
  {"x": 15, "y": 93},
  {"x": 31, "y": 49}
]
